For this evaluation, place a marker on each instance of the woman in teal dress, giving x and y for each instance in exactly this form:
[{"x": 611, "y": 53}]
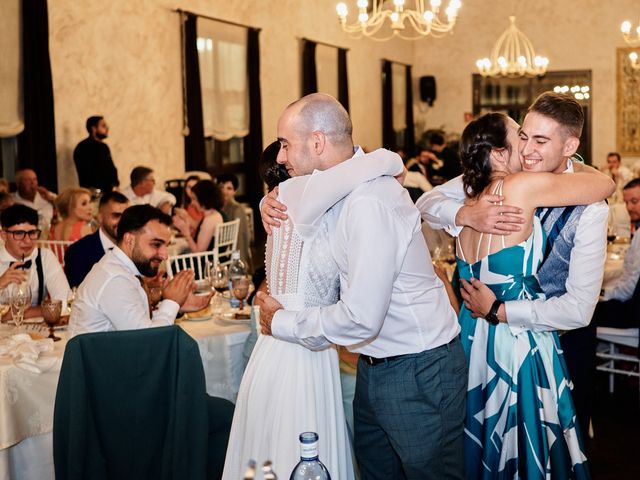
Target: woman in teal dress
[{"x": 520, "y": 420}]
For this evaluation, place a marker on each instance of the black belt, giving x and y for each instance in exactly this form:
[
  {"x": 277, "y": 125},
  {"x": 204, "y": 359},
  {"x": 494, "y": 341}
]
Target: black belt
[{"x": 377, "y": 361}]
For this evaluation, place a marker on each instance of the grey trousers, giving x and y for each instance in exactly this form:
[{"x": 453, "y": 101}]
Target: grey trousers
[{"x": 409, "y": 415}]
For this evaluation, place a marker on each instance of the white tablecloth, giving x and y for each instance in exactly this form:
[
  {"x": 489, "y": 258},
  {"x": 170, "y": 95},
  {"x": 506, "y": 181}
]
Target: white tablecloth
[{"x": 27, "y": 399}]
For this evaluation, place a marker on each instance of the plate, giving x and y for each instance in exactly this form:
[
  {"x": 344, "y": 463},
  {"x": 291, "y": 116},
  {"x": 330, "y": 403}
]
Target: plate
[
  {"x": 230, "y": 319},
  {"x": 191, "y": 317},
  {"x": 29, "y": 321}
]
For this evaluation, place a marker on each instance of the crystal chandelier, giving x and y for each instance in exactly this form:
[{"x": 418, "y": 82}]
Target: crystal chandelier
[
  {"x": 513, "y": 56},
  {"x": 625, "y": 28},
  {"x": 407, "y": 23}
]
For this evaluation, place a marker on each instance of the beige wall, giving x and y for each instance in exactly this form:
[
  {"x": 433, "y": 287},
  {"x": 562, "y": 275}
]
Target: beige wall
[
  {"x": 574, "y": 34},
  {"x": 121, "y": 59}
]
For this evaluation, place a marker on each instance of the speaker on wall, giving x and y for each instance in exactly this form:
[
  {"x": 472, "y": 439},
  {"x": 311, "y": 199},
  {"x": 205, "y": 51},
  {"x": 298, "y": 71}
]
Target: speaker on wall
[{"x": 428, "y": 89}]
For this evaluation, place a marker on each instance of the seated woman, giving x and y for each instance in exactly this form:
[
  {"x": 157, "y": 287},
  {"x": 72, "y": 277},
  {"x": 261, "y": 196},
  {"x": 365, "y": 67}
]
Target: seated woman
[
  {"x": 521, "y": 420},
  {"x": 206, "y": 199},
  {"x": 76, "y": 210}
]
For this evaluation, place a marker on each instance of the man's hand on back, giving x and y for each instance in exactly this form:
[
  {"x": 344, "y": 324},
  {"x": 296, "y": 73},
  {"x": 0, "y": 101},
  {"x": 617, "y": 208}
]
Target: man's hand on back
[
  {"x": 272, "y": 211},
  {"x": 488, "y": 217}
]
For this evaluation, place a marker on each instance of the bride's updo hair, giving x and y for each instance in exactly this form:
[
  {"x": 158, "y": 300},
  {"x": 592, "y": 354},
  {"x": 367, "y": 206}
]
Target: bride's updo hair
[{"x": 482, "y": 135}]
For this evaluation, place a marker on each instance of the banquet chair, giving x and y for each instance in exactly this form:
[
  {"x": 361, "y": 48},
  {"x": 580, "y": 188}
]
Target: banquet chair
[
  {"x": 226, "y": 241},
  {"x": 58, "y": 247},
  {"x": 175, "y": 187},
  {"x": 610, "y": 339},
  {"x": 133, "y": 405},
  {"x": 195, "y": 261}
]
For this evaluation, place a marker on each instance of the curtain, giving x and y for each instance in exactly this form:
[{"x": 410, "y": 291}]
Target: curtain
[
  {"x": 194, "y": 153},
  {"x": 399, "y": 97},
  {"x": 37, "y": 142},
  {"x": 410, "y": 135},
  {"x": 343, "y": 82},
  {"x": 253, "y": 141},
  {"x": 309, "y": 75},
  {"x": 388, "y": 137},
  {"x": 222, "y": 52},
  {"x": 11, "y": 114}
]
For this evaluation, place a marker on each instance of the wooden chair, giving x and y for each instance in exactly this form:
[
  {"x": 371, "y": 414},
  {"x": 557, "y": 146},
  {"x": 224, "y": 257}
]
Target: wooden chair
[
  {"x": 58, "y": 247},
  {"x": 226, "y": 241}
]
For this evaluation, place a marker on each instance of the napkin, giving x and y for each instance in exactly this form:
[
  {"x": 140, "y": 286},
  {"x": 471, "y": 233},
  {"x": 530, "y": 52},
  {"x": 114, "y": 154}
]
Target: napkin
[{"x": 26, "y": 352}]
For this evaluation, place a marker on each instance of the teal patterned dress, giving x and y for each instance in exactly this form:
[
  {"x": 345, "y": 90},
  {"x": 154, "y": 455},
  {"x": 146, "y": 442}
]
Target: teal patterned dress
[{"x": 520, "y": 420}]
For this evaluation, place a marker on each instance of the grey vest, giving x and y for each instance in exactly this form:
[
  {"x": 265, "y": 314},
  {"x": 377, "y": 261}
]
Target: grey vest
[{"x": 555, "y": 268}]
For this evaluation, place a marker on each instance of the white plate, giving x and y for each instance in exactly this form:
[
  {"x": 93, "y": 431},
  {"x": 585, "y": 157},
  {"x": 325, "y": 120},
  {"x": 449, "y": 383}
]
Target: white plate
[
  {"x": 229, "y": 319},
  {"x": 190, "y": 318},
  {"x": 29, "y": 321}
]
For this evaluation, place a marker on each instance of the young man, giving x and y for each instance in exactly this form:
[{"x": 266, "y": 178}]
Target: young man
[
  {"x": 93, "y": 158},
  {"x": 21, "y": 260},
  {"x": 571, "y": 274},
  {"x": 410, "y": 389},
  {"x": 142, "y": 191},
  {"x": 112, "y": 296},
  {"x": 82, "y": 255}
]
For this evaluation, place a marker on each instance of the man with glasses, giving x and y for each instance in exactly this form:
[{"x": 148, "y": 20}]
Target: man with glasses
[{"x": 21, "y": 260}]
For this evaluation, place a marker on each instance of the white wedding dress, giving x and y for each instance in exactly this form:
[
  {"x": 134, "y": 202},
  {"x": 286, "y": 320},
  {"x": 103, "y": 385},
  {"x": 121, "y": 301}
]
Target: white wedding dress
[{"x": 287, "y": 389}]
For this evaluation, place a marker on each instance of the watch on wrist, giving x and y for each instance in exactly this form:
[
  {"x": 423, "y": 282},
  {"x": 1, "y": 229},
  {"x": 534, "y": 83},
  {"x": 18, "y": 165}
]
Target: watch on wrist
[{"x": 492, "y": 316}]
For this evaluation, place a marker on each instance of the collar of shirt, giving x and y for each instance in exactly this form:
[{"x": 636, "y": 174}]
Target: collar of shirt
[
  {"x": 6, "y": 257},
  {"x": 106, "y": 242},
  {"x": 125, "y": 260},
  {"x": 569, "y": 168}
]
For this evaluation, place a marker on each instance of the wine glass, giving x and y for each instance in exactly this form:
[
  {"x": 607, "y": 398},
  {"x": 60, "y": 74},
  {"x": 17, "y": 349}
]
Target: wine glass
[
  {"x": 240, "y": 290},
  {"x": 218, "y": 278},
  {"x": 611, "y": 233},
  {"x": 51, "y": 311},
  {"x": 71, "y": 298},
  {"x": 20, "y": 301}
]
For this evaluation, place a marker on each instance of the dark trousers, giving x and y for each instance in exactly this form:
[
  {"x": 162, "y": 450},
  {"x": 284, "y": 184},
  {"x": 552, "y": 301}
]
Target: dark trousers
[
  {"x": 409, "y": 415},
  {"x": 579, "y": 349}
]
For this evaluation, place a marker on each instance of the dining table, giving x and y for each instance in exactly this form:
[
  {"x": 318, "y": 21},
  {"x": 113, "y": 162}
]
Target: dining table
[{"x": 27, "y": 397}]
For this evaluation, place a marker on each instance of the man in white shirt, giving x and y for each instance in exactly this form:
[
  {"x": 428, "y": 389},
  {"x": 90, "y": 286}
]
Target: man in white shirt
[
  {"x": 618, "y": 309},
  {"x": 34, "y": 196},
  {"x": 82, "y": 255},
  {"x": 21, "y": 260},
  {"x": 393, "y": 310},
  {"x": 142, "y": 191},
  {"x": 571, "y": 275},
  {"x": 112, "y": 296}
]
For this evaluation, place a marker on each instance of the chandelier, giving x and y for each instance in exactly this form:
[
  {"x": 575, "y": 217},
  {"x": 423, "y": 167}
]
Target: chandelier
[
  {"x": 513, "y": 56},
  {"x": 407, "y": 23},
  {"x": 625, "y": 28}
]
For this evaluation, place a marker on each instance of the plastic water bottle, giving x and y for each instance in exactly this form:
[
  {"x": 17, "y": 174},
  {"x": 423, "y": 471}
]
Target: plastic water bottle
[
  {"x": 309, "y": 467},
  {"x": 237, "y": 269}
]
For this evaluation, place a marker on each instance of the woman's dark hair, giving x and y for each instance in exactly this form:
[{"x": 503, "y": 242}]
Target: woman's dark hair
[
  {"x": 482, "y": 135},
  {"x": 186, "y": 199},
  {"x": 208, "y": 194},
  {"x": 271, "y": 171}
]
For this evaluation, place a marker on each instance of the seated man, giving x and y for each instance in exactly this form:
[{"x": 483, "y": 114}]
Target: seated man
[
  {"x": 34, "y": 196},
  {"x": 21, "y": 261},
  {"x": 231, "y": 210},
  {"x": 112, "y": 296},
  {"x": 616, "y": 309},
  {"x": 82, "y": 255},
  {"x": 142, "y": 191}
]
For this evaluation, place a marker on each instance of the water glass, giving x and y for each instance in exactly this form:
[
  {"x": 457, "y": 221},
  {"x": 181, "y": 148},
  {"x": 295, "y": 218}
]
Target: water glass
[
  {"x": 51, "y": 312},
  {"x": 20, "y": 301}
]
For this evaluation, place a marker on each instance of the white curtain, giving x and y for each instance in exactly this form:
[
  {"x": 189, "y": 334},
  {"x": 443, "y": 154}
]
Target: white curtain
[
  {"x": 327, "y": 69},
  {"x": 11, "y": 112},
  {"x": 222, "y": 54},
  {"x": 399, "y": 96}
]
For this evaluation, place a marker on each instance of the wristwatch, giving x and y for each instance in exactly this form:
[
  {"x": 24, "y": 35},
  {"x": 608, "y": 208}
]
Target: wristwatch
[{"x": 492, "y": 316}]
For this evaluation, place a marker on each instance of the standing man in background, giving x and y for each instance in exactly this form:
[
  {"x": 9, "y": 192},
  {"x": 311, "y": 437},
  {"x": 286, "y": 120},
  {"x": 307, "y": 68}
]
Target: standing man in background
[{"x": 93, "y": 158}]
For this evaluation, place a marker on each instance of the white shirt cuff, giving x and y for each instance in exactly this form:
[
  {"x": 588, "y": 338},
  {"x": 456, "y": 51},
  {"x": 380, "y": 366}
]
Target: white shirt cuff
[
  {"x": 169, "y": 309},
  {"x": 519, "y": 312},
  {"x": 283, "y": 325}
]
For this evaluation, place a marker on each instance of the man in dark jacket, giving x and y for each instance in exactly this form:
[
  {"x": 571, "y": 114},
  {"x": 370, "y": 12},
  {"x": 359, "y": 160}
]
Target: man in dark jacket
[{"x": 93, "y": 158}]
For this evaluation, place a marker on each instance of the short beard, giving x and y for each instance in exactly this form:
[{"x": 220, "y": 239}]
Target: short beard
[
  {"x": 142, "y": 263},
  {"x": 101, "y": 136}
]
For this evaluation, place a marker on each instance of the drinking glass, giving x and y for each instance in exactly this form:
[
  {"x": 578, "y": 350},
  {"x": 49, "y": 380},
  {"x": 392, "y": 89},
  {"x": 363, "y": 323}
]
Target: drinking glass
[
  {"x": 240, "y": 289},
  {"x": 218, "y": 278},
  {"x": 20, "y": 301},
  {"x": 51, "y": 311}
]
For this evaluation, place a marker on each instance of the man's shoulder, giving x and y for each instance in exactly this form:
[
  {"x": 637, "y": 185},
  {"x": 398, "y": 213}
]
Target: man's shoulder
[{"x": 88, "y": 242}]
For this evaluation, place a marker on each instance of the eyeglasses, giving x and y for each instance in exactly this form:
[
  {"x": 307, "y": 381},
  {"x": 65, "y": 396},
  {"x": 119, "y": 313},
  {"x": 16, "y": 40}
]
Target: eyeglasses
[{"x": 21, "y": 234}]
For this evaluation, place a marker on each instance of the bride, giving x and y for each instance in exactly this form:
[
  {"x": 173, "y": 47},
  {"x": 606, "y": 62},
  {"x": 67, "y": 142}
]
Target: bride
[{"x": 287, "y": 389}]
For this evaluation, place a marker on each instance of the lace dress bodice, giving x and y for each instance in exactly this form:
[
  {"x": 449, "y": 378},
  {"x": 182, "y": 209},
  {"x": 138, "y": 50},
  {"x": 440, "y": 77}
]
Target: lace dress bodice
[{"x": 300, "y": 273}]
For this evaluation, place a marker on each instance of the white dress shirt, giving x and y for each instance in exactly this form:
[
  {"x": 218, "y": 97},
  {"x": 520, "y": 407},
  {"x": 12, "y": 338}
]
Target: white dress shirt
[
  {"x": 40, "y": 204},
  {"x": 55, "y": 281},
  {"x": 111, "y": 298},
  {"x": 391, "y": 301},
  {"x": 106, "y": 242},
  {"x": 155, "y": 198},
  {"x": 623, "y": 287},
  {"x": 574, "y": 309}
]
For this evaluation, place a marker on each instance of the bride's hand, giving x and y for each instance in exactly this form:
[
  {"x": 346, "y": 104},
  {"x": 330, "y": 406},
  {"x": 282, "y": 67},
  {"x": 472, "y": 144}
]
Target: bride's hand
[{"x": 271, "y": 211}]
